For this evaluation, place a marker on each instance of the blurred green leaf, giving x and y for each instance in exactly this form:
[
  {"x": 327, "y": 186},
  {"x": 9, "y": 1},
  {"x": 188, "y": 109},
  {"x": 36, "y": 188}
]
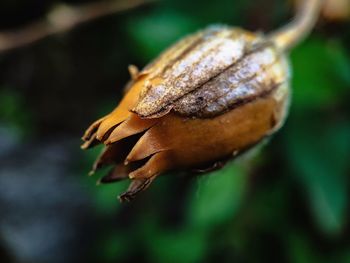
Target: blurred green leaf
[
  {"x": 208, "y": 11},
  {"x": 342, "y": 256},
  {"x": 184, "y": 246},
  {"x": 340, "y": 60},
  {"x": 269, "y": 207},
  {"x": 153, "y": 33},
  {"x": 105, "y": 197},
  {"x": 14, "y": 113},
  {"x": 319, "y": 154},
  {"x": 301, "y": 251},
  {"x": 217, "y": 196},
  {"x": 321, "y": 72},
  {"x": 114, "y": 247}
]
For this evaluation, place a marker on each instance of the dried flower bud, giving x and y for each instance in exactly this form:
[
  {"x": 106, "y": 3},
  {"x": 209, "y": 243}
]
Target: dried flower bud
[
  {"x": 207, "y": 98},
  {"x": 212, "y": 95}
]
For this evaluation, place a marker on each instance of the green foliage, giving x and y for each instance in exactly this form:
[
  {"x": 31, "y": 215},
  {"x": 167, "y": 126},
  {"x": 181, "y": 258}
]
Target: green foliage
[
  {"x": 301, "y": 251},
  {"x": 319, "y": 84},
  {"x": 174, "y": 246},
  {"x": 14, "y": 113},
  {"x": 152, "y": 33},
  {"x": 216, "y": 197},
  {"x": 317, "y": 140},
  {"x": 323, "y": 174}
]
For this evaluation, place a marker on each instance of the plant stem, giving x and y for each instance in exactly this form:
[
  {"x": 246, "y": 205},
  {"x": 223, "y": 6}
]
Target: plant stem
[{"x": 288, "y": 36}]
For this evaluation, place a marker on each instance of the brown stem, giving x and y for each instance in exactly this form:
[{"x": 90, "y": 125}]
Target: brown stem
[
  {"x": 63, "y": 18},
  {"x": 294, "y": 32}
]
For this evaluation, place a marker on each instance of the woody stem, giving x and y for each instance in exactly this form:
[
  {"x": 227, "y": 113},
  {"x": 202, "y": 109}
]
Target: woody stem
[{"x": 294, "y": 32}]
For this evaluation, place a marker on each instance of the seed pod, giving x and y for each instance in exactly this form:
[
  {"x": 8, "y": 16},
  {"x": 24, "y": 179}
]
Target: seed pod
[{"x": 207, "y": 98}]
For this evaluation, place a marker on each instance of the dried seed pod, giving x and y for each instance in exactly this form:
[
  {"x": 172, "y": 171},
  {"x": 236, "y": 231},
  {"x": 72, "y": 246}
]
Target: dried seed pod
[{"x": 207, "y": 98}]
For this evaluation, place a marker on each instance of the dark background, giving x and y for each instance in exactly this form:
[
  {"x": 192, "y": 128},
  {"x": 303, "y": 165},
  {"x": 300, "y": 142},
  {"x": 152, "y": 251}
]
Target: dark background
[{"x": 290, "y": 204}]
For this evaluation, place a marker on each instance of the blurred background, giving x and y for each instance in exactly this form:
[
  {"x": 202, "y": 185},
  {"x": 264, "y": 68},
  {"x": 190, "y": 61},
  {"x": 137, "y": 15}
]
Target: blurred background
[{"x": 64, "y": 63}]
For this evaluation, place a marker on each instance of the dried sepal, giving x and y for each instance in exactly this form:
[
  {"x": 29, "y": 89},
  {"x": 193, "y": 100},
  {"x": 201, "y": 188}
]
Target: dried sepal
[
  {"x": 203, "y": 57},
  {"x": 117, "y": 173},
  {"x": 136, "y": 186},
  {"x": 256, "y": 74}
]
